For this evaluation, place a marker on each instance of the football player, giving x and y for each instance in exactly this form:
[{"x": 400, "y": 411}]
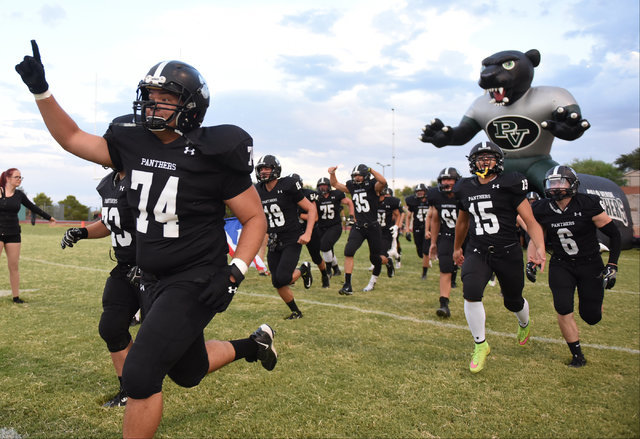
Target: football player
[
  {"x": 490, "y": 202},
  {"x": 570, "y": 220},
  {"x": 181, "y": 176},
  {"x": 390, "y": 219},
  {"x": 121, "y": 296},
  {"x": 365, "y": 187},
  {"x": 281, "y": 197},
  {"x": 329, "y": 205},
  {"x": 444, "y": 213},
  {"x": 416, "y": 221}
]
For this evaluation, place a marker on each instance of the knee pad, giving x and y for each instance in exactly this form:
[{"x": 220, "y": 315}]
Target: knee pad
[
  {"x": 375, "y": 260},
  {"x": 514, "y": 304},
  {"x": 591, "y": 318},
  {"x": 327, "y": 256},
  {"x": 280, "y": 280},
  {"x": 115, "y": 332},
  {"x": 138, "y": 382},
  {"x": 189, "y": 378}
]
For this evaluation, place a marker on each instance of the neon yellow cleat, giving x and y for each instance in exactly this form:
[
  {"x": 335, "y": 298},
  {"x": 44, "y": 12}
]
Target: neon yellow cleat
[
  {"x": 479, "y": 357},
  {"x": 523, "y": 334}
]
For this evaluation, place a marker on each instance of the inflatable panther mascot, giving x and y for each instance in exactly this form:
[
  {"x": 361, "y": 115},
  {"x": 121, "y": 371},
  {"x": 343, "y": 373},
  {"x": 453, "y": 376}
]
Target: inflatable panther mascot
[{"x": 523, "y": 121}]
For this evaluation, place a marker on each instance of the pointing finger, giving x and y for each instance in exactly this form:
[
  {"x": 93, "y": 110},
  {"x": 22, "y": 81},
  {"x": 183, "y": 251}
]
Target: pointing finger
[{"x": 36, "y": 51}]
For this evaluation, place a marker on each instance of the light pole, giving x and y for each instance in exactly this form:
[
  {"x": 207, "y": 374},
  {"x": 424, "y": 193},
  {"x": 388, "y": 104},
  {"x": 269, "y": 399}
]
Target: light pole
[
  {"x": 383, "y": 166},
  {"x": 393, "y": 149}
]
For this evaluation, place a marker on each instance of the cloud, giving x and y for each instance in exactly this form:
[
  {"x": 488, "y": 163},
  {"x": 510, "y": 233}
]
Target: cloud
[{"x": 52, "y": 15}]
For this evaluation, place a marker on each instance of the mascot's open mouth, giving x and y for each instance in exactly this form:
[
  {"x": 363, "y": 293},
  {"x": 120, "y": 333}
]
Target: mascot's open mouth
[{"x": 498, "y": 95}]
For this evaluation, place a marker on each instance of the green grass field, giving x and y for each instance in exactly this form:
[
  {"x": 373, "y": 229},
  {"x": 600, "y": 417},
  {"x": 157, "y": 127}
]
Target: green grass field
[{"x": 377, "y": 364}]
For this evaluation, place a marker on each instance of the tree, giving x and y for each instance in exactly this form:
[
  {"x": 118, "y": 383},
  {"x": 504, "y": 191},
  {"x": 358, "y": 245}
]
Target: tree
[
  {"x": 73, "y": 209},
  {"x": 42, "y": 200},
  {"x": 627, "y": 162},
  {"x": 599, "y": 168}
]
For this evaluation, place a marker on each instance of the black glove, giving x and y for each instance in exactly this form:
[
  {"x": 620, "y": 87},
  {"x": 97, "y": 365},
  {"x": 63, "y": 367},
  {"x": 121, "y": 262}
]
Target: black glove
[
  {"x": 532, "y": 268},
  {"x": 437, "y": 133},
  {"x": 408, "y": 236},
  {"x": 32, "y": 71},
  {"x": 72, "y": 236},
  {"x": 608, "y": 276},
  {"x": 219, "y": 291},
  {"x": 351, "y": 220},
  {"x": 134, "y": 275}
]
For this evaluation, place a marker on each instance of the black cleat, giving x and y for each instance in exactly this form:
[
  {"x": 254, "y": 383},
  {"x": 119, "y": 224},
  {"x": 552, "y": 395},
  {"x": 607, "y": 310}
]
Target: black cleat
[
  {"x": 336, "y": 270},
  {"x": 390, "y": 268},
  {"x": 577, "y": 362},
  {"x": 307, "y": 278},
  {"x": 267, "y": 354},
  {"x": 294, "y": 316},
  {"x": 443, "y": 311},
  {"x": 18, "y": 300},
  {"x": 120, "y": 400},
  {"x": 325, "y": 280},
  {"x": 346, "y": 290}
]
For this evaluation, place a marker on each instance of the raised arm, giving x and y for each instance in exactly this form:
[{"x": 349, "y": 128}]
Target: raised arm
[
  {"x": 63, "y": 129},
  {"x": 334, "y": 180}
]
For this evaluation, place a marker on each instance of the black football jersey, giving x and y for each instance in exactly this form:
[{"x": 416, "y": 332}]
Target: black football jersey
[
  {"x": 177, "y": 191},
  {"x": 492, "y": 207},
  {"x": 330, "y": 208},
  {"x": 117, "y": 216},
  {"x": 419, "y": 207},
  {"x": 385, "y": 211},
  {"x": 571, "y": 232},
  {"x": 312, "y": 196},
  {"x": 280, "y": 205},
  {"x": 365, "y": 200},
  {"x": 447, "y": 209}
]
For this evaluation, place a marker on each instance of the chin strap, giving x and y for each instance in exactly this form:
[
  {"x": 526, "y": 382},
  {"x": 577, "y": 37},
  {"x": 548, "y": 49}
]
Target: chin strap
[{"x": 483, "y": 174}]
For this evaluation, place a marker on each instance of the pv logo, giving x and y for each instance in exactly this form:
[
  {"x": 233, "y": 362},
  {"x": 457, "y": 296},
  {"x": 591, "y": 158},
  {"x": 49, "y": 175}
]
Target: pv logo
[
  {"x": 513, "y": 132},
  {"x": 188, "y": 150}
]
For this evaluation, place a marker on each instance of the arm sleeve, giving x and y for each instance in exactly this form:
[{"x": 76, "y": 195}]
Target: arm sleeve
[
  {"x": 615, "y": 241},
  {"x": 33, "y": 208}
]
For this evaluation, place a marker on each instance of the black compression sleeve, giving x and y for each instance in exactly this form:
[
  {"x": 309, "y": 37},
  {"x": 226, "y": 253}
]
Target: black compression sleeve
[{"x": 615, "y": 241}]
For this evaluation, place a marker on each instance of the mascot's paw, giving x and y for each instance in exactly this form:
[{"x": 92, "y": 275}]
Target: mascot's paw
[
  {"x": 437, "y": 133},
  {"x": 566, "y": 123}
]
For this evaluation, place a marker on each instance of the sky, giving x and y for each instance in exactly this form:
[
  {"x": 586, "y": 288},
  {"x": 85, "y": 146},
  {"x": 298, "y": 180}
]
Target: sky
[{"x": 316, "y": 83}]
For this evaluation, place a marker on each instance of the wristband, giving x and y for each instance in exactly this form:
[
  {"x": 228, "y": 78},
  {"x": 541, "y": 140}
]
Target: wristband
[
  {"x": 242, "y": 265},
  {"x": 40, "y": 96}
]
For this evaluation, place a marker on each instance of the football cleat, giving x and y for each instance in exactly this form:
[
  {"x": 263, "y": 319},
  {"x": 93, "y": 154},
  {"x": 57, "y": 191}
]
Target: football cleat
[
  {"x": 577, "y": 361},
  {"x": 267, "y": 354},
  {"x": 305, "y": 273},
  {"x": 480, "y": 353},
  {"x": 443, "y": 311},
  {"x": 370, "y": 286},
  {"x": 336, "y": 270},
  {"x": 523, "y": 334},
  {"x": 390, "y": 268},
  {"x": 120, "y": 400},
  {"x": 325, "y": 280},
  {"x": 346, "y": 290},
  {"x": 294, "y": 316}
]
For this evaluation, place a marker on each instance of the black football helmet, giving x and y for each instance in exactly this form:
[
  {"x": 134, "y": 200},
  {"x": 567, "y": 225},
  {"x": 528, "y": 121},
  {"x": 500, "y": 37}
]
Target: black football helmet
[
  {"x": 320, "y": 185},
  {"x": 420, "y": 187},
  {"x": 360, "y": 170},
  {"x": 268, "y": 161},
  {"x": 178, "y": 78},
  {"x": 560, "y": 182},
  {"x": 533, "y": 196},
  {"x": 447, "y": 174},
  {"x": 486, "y": 148},
  {"x": 387, "y": 191},
  {"x": 297, "y": 178}
]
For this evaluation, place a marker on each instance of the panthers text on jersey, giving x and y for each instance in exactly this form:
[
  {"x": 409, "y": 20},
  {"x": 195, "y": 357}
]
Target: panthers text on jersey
[
  {"x": 571, "y": 232},
  {"x": 177, "y": 191},
  {"x": 117, "y": 216},
  {"x": 365, "y": 200},
  {"x": 419, "y": 207},
  {"x": 492, "y": 207},
  {"x": 280, "y": 205},
  {"x": 385, "y": 211},
  {"x": 330, "y": 208},
  {"x": 447, "y": 209}
]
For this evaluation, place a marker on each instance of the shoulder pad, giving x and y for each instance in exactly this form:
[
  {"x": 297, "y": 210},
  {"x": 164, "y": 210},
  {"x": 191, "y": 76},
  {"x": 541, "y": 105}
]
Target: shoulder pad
[
  {"x": 514, "y": 182},
  {"x": 232, "y": 144},
  {"x": 106, "y": 180}
]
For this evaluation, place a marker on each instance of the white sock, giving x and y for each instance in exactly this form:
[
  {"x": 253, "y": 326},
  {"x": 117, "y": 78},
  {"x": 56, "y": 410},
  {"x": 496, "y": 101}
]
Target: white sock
[
  {"x": 334, "y": 261},
  {"x": 474, "y": 312},
  {"x": 523, "y": 314},
  {"x": 327, "y": 257},
  {"x": 373, "y": 279}
]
